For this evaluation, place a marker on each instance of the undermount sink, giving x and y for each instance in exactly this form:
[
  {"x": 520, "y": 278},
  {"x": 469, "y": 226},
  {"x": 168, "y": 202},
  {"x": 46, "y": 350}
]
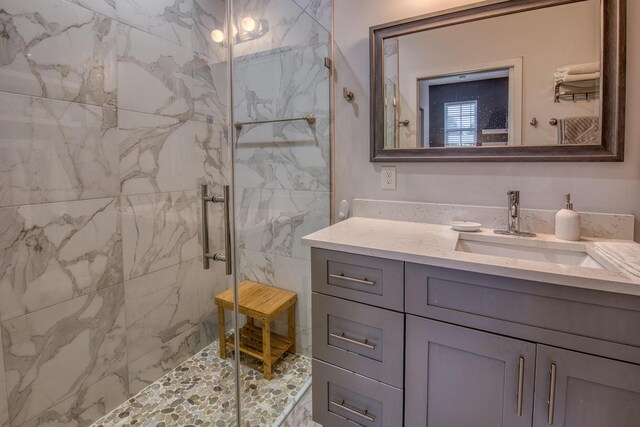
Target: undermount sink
[{"x": 529, "y": 250}]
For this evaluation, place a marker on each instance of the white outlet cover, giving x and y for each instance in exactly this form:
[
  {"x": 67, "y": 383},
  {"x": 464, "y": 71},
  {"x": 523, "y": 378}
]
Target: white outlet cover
[{"x": 389, "y": 178}]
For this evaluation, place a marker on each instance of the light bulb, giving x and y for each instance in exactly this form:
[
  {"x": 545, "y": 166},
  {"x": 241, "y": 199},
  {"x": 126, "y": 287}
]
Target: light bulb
[
  {"x": 217, "y": 36},
  {"x": 248, "y": 24}
]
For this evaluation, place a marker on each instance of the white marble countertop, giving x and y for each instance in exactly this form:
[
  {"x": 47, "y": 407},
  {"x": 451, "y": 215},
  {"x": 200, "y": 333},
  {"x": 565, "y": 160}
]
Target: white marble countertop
[{"x": 435, "y": 245}]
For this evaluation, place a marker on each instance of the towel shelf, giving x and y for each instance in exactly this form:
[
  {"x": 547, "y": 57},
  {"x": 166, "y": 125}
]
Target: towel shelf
[{"x": 575, "y": 93}]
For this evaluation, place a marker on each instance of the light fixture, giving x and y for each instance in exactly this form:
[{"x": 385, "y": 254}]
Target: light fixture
[
  {"x": 217, "y": 36},
  {"x": 248, "y": 24}
]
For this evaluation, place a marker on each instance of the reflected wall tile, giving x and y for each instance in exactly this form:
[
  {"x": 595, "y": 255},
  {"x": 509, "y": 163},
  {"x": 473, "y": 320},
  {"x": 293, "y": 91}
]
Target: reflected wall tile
[
  {"x": 51, "y": 253},
  {"x": 57, "y": 50},
  {"x": 152, "y": 366},
  {"x": 296, "y": 214},
  {"x": 87, "y": 406},
  {"x": 104, "y": 7},
  {"x": 209, "y": 15},
  {"x": 255, "y": 266},
  {"x": 170, "y": 20},
  {"x": 154, "y": 76},
  {"x": 320, "y": 10},
  {"x": 254, "y": 229},
  {"x": 70, "y": 346},
  {"x": 4, "y": 410},
  {"x": 210, "y": 90},
  {"x": 56, "y": 151},
  {"x": 158, "y": 230},
  {"x": 156, "y": 153},
  {"x": 160, "y": 306}
]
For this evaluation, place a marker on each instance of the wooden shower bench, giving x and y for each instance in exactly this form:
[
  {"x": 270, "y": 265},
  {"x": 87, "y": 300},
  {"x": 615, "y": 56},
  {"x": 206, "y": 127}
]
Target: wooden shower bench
[{"x": 263, "y": 303}]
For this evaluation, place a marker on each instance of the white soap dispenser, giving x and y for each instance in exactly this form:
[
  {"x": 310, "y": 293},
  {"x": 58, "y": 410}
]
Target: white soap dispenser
[{"x": 568, "y": 222}]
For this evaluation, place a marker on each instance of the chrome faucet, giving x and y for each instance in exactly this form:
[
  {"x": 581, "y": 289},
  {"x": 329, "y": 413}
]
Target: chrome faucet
[{"x": 513, "y": 217}]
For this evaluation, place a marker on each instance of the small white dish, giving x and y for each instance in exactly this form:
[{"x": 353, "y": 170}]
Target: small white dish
[{"x": 465, "y": 225}]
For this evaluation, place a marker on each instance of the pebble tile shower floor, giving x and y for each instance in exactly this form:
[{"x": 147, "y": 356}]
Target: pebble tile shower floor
[{"x": 201, "y": 392}]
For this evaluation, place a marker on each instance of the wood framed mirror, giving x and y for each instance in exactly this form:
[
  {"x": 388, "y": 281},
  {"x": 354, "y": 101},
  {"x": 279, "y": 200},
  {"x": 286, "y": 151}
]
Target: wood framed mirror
[{"x": 515, "y": 80}]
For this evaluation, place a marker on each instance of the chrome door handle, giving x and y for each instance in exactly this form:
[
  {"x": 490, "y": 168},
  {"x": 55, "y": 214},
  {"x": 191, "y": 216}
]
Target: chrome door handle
[
  {"x": 206, "y": 255},
  {"x": 353, "y": 279},
  {"x": 552, "y": 393},
  {"x": 520, "y": 384},
  {"x": 362, "y": 343},
  {"x": 363, "y": 414}
]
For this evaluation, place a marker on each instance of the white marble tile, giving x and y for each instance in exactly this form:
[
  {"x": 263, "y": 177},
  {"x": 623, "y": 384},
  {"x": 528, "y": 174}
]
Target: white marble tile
[
  {"x": 253, "y": 219},
  {"x": 57, "y": 50},
  {"x": 295, "y": 275},
  {"x": 301, "y": 416},
  {"x": 211, "y": 283},
  {"x": 104, "y": 7},
  {"x": 170, "y": 20},
  {"x": 210, "y": 90},
  {"x": 60, "y": 351},
  {"x": 160, "y": 306},
  {"x": 158, "y": 231},
  {"x": 57, "y": 251},
  {"x": 154, "y": 76},
  {"x": 4, "y": 409},
  {"x": 598, "y": 225},
  {"x": 55, "y": 151},
  {"x": 157, "y": 153},
  {"x": 212, "y": 154},
  {"x": 150, "y": 367},
  {"x": 87, "y": 406},
  {"x": 255, "y": 266},
  {"x": 296, "y": 214},
  {"x": 320, "y": 10},
  {"x": 209, "y": 15}
]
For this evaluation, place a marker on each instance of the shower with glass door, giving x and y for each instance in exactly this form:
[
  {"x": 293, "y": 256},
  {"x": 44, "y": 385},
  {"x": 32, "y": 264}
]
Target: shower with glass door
[{"x": 159, "y": 162}]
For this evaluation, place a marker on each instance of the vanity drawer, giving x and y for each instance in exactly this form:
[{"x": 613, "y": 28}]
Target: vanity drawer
[
  {"x": 533, "y": 310},
  {"x": 373, "y": 281},
  {"x": 364, "y": 339},
  {"x": 342, "y": 398}
]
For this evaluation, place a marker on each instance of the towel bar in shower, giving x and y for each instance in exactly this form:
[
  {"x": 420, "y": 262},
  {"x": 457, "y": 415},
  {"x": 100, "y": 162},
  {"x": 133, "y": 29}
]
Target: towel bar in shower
[{"x": 311, "y": 119}]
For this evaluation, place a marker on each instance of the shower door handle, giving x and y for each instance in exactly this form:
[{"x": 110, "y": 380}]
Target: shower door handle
[{"x": 206, "y": 255}]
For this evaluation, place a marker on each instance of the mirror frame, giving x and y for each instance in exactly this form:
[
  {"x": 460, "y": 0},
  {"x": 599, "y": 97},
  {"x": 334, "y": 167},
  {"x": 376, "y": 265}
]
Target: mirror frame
[{"x": 612, "y": 88}]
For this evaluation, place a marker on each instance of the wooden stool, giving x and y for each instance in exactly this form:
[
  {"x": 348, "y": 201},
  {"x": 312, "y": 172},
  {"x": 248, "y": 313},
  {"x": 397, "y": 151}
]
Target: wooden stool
[{"x": 264, "y": 303}]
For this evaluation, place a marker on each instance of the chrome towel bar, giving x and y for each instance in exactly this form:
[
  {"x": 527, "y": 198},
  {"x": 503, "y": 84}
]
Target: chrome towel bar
[{"x": 311, "y": 119}]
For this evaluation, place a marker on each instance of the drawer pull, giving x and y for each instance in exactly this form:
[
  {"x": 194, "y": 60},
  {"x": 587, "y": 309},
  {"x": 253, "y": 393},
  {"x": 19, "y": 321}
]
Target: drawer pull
[
  {"x": 363, "y": 414},
  {"x": 362, "y": 343},
  {"x": 552, "y": 393},
  {"x": 520, "y": 384},
  {"x": 353, "y": 279}
]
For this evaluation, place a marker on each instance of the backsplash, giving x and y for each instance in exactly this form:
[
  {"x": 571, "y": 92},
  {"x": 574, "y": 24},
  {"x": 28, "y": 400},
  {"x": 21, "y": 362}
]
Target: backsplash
[{"x": 606, "y": 226}]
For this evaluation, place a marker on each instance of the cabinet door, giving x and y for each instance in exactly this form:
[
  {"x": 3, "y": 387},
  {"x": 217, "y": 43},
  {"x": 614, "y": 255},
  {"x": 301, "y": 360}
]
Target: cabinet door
[
  {"x": 578, "y": 390},
  {"x": 462, "y": 377}
]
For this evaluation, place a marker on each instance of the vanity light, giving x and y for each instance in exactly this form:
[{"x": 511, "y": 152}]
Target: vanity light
[
  {"x": 248, "y": 24},
  {"x": 217, "y": 36}
]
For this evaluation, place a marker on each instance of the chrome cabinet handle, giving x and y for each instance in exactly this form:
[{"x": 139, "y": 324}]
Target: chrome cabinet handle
[
  {"x": 552, "y": 393},
  {"x": 206, "y": 255},
  {"x": 520, "y": 384},
  {"x": 362, "y": 343},
  {"x": 353, "y": 279},
  {"x": 363, "y": 414}
]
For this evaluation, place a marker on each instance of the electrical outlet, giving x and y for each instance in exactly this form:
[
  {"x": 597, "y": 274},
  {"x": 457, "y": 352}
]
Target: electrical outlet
[{"x": 389, "y": 178}]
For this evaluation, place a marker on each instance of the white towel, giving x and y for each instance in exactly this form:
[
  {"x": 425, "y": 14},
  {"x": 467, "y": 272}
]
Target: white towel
[
  {"x": 568, "y": 78},
  {"x": 588, "y": 68}
]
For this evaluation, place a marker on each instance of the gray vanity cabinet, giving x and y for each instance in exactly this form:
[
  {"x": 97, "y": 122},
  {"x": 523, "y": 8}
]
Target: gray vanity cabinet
[
  {"x": 457, "y": 376},
  {"x": 579, "y": 390}
]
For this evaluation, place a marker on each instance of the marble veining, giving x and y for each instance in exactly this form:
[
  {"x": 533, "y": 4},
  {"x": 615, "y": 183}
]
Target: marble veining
[
  {"x": 56, "y": 49},
  {"x": 320, "y": 10},
  {"x": 71, "y": 346},
  {"x": 209, "y": 15},
  {"x": 4, "y": 409},
  {"x": 56, "y": 151},
  {"x": 155, "y": 76},
  {"x": 158, "y": 231},
  {"x": 598, "y": 225},
  {"x": 170, "y": 20},
  {"x": 210, "y": 90},
  {"x": 52, "y": 253},
  {"x": 201, "y": 392},
  {"x": 302, "y": 414},
  {"x": 104, "y": 7}
]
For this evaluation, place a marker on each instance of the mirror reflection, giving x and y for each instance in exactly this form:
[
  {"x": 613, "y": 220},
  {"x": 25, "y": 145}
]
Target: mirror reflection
[{"x": 484, "y": 84}]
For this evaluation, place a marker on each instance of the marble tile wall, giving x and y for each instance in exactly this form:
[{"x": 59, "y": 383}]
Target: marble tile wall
[
  {"x": 282, "y": 170},
  {"x": 112, "y": 112}
]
